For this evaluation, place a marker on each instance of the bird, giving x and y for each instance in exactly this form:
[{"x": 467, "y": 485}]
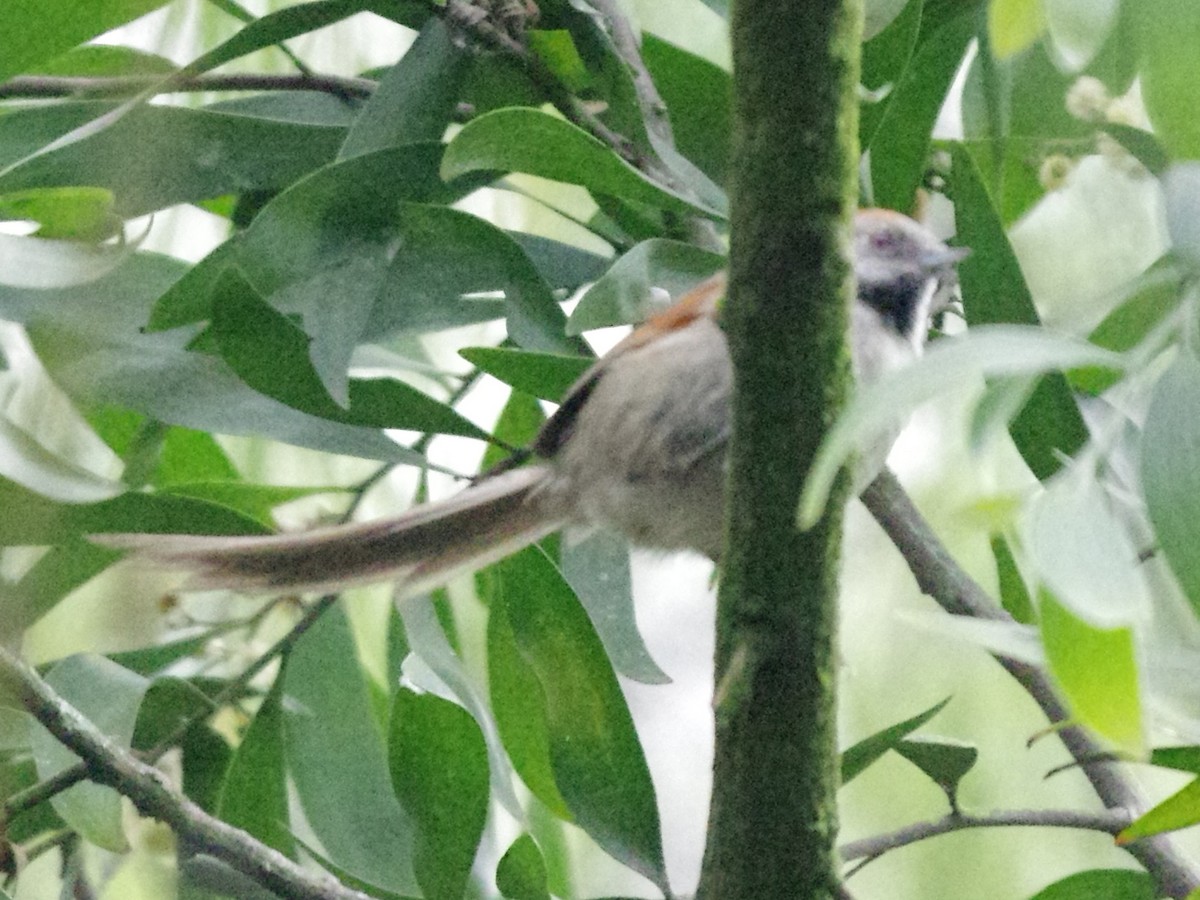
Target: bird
[{"x": 638, "y": 444}]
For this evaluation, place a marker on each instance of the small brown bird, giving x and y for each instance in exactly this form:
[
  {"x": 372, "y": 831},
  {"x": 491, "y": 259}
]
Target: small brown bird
[{"x": 638, "y": 444}]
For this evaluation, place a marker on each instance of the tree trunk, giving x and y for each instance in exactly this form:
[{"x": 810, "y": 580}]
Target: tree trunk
[{"x": 773, "y": 820}]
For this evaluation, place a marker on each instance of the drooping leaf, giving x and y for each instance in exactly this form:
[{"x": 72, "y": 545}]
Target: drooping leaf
[
  {"x": 1096, "y": 669},
  {"x": 1170, "y": 481},
  {"x": 624, "y": 293},
  {"x": 1014, "y": 595},
  {"x": 521, "y": 873},
  {"x": 1050, "y": 425},
  {"x": 536, "y": 143},
  {"x": 338, "y": 762},
  {"x": 544, "y": 375},
  {"x": 699, "y": 96},
  {"x": 597, "y": 568},
  {"x": 597, "y": 762},
  {"x": 900, "y": 144},
  {"x": 445, "y": 256},
  {"x": 1014, "y": 24},
  {"x": 1166, "y": 29},
  {"x": 439, "y": 766},
  {"x": 35, "y": 32},
  {"x": 987, "y": 351},
  {"x": 519, "y": 704},
  {"x": 415, "y": 100},
  {"x": 271, "y": 354},
  {"x": 254, "y": 791},
  {"x": 856, "y": 758},
  {"x": 158, "y": 156}
]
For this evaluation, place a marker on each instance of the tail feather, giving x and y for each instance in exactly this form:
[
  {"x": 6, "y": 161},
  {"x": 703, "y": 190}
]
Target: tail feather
[{"x": 421, "y": 548}]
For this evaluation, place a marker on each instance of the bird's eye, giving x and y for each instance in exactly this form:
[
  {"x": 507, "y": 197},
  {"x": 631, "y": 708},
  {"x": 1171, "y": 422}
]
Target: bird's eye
[{"x": 883, "y": 240}]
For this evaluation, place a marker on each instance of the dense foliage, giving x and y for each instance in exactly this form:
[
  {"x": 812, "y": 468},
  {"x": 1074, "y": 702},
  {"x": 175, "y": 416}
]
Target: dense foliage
[{"x": 353, "y": 225}]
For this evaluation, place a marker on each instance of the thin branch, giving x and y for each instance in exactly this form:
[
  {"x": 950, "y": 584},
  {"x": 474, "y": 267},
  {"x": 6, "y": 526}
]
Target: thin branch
[
  {"x": 654, "y": 114},
  {"x": 939, "y": 576},
  {"x": 573, "y": 109},
  {"x": 110, "y": 764},
  {"x": 48, "y": 86},
  {"x": 654, "y": 110},
  {"x": 1109, "y": 821},
  {"x": 44, "y": 790}
]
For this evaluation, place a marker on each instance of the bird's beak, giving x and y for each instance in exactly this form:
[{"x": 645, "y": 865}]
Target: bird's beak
[{"x": 943, "y": 258}]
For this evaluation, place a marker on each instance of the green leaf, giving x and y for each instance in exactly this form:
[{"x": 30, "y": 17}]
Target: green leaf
[
  {"x": 1180, "y": 810},
  {"x": 857, "y": 758},
  {"x": 1097, "y": 671},
  {"x": 1149, "y": 300},
  {"x": 349, "y": 208},
  {"x": 444, "y": 255},
  {"x": 1185, "y": 759},
  {"x": 561, "y": 266},
  {"x": 89, "y": 339},
  {"x": 1170, "y": 480},
  {"x": 884, "y": 59},
  {"x": 1167, "y": 30},
  {"x": 28, "y": 462},
  {"x": 299, "y": 19},
  {"x": 521, "y": 873},
  {"x": 1079, "y": 29},
  {"x": 700, "y": 97},
  {"x": 545, "y": 375},
  {"x": 428, "y": 627},
  {"x": 519, "y": 704},
  {"x": 58, "y": 572},
  {"x": 109, "y": 696},
  {"x": 415, "y": 100},
  {"x": 45, "y": 264},
  {"x": 597, "y": 568},
  {"x": 104, "y": 60},
  {"x": 1014, "y": 24},
  {"x": 1101, "y": 884},
  {"x": 271, "y": 354},
  {"x": 34, "y": 520},
  {"x": 439, "y": 766},
  {"x": 900, "y": 145},
  {"x": 1093, "y": 570},
  {"x": 986, "y": 351},
  {"x": 65, "y": 213},
  {"x": 338, "y": 764},
  {"x": 150, "y": 661},
  {"x": 34, "y": 32},
  {"x": 943, "y": 761},
  {"x": 159, "y": 156},
  {"x": 254, "y": 500},
  {"x": 537, "y": 143},
  {"x": 597, "y": 761},
  {"x": 623, "y": 294},
  {"x": 1050, "y": 426},
  {"x": 1014, "y": 595}
]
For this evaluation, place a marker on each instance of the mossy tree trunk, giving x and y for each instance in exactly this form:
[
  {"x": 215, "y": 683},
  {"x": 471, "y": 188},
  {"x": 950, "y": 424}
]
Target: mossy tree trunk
[{"x": 773, "y": 820}]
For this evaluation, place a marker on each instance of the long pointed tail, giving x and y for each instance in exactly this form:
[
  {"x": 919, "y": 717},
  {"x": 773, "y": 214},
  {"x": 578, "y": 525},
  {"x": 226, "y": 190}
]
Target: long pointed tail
[{"x": 421, "y": 548}]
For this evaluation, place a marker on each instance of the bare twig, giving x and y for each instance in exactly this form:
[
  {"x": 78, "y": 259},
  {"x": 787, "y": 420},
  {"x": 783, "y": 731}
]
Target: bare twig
[
  {"x": 939, "y": 576},
  {"x": 47, "y": 86},
  {"x": 1109, "y": 821},
  {"x": 654, "y": 110},
  {"x": 110, "y": 764},
  {"x": 655, "y": 115}
]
